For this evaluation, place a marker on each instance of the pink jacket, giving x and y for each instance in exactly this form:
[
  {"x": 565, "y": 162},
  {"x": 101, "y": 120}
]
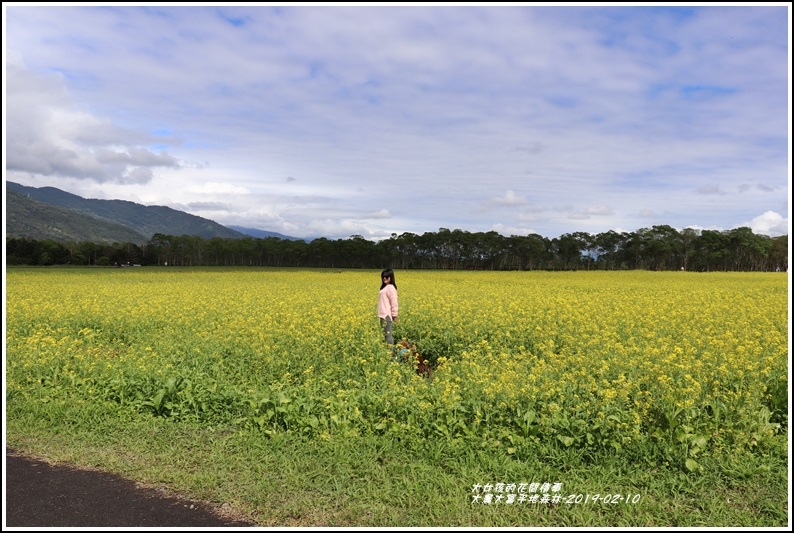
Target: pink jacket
[{"x": 387, "y": 302}]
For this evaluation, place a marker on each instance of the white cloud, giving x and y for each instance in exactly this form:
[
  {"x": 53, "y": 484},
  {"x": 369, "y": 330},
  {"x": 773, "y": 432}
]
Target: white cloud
[
  {"x": 383, "y": 213},
  {"x": 769, "y": 223},
  {"x": 342, "y": 119},
  {"x": 599, "y": 211},
  {"x": 510, "y": 199},
  {"x": 213, "y": 188},
  {"x": 47, "y": 135}
]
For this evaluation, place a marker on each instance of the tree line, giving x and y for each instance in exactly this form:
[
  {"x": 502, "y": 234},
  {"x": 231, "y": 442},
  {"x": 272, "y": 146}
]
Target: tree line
[{"x": 656, "y": 248}]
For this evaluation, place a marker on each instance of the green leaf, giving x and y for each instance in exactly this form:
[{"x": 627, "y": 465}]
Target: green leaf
[{"x": 681, "y": 435}]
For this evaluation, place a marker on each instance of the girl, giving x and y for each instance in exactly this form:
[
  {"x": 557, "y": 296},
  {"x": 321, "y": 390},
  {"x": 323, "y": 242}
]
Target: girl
[{"x": 387, "y": 304}]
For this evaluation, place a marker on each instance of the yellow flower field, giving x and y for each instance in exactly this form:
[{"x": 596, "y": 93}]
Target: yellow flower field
[{"x": 595, "y": 360}]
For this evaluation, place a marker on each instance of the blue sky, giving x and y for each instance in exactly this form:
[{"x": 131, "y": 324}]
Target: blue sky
[{"x": 371, "y": 120}]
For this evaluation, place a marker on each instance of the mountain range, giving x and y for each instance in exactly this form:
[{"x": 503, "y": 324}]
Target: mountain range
[{"x": 47, "y": 213}]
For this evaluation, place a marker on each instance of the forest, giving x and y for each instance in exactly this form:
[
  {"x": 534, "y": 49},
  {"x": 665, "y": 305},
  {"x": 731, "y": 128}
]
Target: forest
[{"x": 657, "y": 248}]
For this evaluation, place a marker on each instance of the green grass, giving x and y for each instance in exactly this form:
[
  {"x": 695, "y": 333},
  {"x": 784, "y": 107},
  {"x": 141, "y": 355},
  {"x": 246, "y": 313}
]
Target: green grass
[{"x": 288, "y": 480}]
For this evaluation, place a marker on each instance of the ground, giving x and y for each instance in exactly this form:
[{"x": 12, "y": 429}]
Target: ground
[{"x": 40, "y": 494}]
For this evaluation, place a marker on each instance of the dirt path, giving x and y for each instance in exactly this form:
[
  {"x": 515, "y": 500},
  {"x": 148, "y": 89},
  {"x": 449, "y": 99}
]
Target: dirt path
[{"x": 39, "y": 494}]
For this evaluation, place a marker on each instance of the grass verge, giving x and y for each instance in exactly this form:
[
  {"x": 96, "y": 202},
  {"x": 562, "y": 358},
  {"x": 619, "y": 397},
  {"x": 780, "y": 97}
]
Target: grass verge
[{"x": 365, "y": 481}]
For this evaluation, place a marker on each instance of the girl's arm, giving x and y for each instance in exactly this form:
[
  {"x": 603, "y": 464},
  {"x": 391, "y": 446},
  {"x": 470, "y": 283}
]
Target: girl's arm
[{"x": 394, "y": 304}]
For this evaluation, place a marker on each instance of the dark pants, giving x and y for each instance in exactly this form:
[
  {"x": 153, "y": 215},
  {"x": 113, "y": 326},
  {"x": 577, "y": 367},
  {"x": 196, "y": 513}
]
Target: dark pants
[{"x": 386, "y": 324}]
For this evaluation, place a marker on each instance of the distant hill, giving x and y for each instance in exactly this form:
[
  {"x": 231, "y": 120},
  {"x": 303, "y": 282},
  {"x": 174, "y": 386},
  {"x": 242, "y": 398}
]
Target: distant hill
[
  {"x": 28, "y": 218},
  {"x": 262, "y": 234},
  {"x": 79, "y": 219}
]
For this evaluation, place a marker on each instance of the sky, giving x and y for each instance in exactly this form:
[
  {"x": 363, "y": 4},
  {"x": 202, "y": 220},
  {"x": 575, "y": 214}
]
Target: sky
[{"x": 340, "y": 120}]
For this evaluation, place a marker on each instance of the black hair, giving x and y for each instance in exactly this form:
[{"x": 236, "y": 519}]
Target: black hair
[{"x": 388, "y": 273}]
